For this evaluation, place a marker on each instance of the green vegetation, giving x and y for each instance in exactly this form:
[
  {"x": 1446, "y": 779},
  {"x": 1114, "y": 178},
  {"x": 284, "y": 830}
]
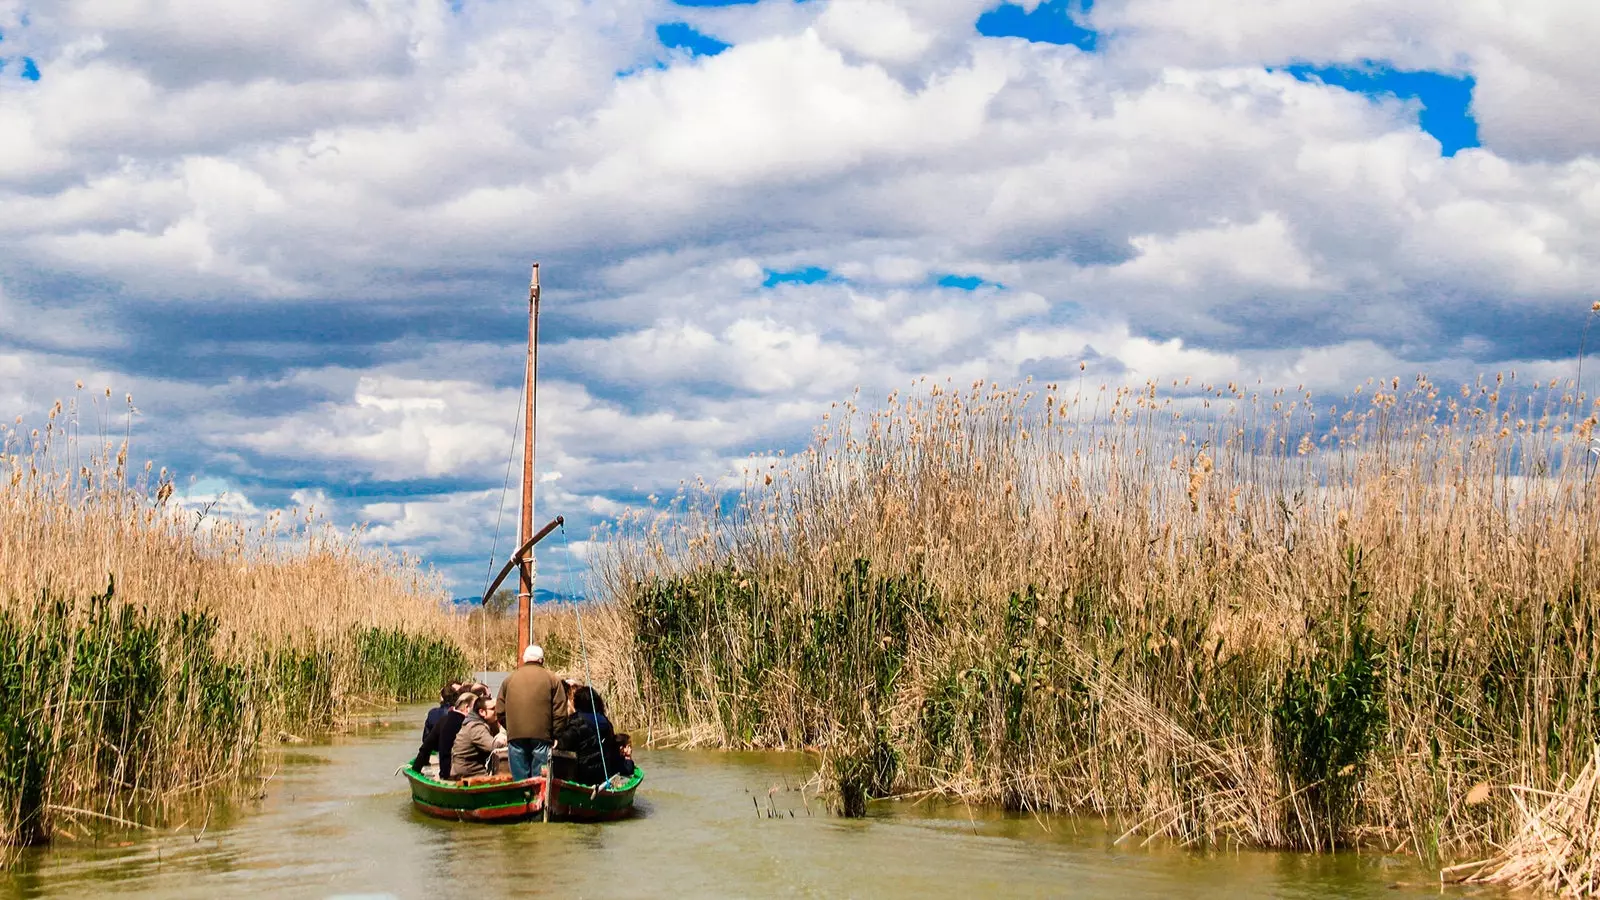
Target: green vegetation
[
  {"x": 148, "y": 652},
  {"x": 402, "y": 666},
  {"x": 106, "y": 704}
]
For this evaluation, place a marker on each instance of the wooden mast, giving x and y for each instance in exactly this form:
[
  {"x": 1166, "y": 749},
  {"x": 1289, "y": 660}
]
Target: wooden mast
[{"x": 530, "y": 389}]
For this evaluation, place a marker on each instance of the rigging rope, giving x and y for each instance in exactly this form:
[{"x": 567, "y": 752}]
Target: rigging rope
[
  {"x": 494, "y": 548},
  {"x": 505, "y": 488},
  {"x": 583, "y": 650}
]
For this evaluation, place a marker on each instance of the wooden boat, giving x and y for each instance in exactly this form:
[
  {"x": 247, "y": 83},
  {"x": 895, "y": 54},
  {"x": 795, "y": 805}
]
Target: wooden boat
[
  {"x": 516, "y": 801},
  {"x": 507, "y": 802},
  {"x": 540, "y": 796}
]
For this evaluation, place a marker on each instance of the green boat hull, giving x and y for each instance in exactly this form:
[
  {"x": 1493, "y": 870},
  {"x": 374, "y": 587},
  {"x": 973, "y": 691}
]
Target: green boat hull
[{"x": 521, "y": 800}]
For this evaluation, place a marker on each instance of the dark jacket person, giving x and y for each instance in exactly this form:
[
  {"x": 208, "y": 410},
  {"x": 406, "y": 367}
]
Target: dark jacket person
[
  {"x": 532, "y": 704},
  {"x": 447, "y": 697},
  {"x": 589, "y": 735},
  {"x": 443, "y": 736}
]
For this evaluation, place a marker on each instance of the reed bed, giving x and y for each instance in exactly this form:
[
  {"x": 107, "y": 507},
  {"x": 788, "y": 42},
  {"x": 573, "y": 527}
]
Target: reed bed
[
  {"x": 1556, "y": 849},
  {"x": 148, "y": 651},
  {"x": 492, "y": 637},
  {"x": 1222, "y": 614}
]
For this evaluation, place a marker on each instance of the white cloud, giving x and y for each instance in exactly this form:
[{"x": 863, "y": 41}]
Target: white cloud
[
  {"x": 1255, "y": 256},
  {"x": 875, "y": 29},
  {"x": 1531, "y": 60},
  {"x": 359, "y": 188}
]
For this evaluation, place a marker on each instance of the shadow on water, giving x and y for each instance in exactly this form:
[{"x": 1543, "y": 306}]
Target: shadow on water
[{"x": 337, "y": 821}]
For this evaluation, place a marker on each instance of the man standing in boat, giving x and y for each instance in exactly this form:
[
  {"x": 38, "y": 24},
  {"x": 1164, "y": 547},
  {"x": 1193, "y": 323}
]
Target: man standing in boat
[{"x": 532, "y": 703}]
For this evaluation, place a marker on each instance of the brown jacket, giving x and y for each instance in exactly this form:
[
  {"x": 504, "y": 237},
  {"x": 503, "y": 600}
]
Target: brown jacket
[
  {"x": 532, "y": 703},
  {"x": 473, "y": 747}
]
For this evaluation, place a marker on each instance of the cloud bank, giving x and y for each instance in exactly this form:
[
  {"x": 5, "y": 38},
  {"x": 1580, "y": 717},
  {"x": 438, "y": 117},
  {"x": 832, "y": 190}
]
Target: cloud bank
[{"x": 299, "y": 232}]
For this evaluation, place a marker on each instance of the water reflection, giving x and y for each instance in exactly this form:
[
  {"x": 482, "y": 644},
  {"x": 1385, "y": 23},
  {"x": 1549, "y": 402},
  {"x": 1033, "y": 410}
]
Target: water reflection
[{"x": 336, "y": 822}]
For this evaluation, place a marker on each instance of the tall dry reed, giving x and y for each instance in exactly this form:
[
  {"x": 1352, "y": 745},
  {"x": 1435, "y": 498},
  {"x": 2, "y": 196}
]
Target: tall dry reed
[
  {"x": 147, "y": 651},
  {"x": 492, "y": 637},
  {"x": 1219, "y": 612}
]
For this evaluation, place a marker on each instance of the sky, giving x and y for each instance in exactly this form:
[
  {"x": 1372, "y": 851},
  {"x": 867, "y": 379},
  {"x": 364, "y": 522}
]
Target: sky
[{"x": 299, "y": 232}]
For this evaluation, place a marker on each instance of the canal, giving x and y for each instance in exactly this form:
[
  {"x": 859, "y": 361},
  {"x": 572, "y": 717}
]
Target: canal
[{"x": 335, "y": 821}]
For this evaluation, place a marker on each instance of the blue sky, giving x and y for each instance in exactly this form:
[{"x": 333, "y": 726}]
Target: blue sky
[
  {"x": 302, "y": 241},
  {"x": 1444, "y": 99},
  {"x": 1052, "y": 22}
]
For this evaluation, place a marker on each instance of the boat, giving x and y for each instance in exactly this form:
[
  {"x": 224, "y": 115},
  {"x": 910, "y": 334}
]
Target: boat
[
  {"x": 549, "y": 795},
  {"x": 518, "y": 801}
]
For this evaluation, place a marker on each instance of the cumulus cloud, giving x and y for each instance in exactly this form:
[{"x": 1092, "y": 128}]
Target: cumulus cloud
[
  {"x": 299, "y": 232},
  {"x": 1528, "y": 59}
]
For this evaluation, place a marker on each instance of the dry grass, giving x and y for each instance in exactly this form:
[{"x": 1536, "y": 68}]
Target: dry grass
[
  {"x": 492, "y": 638},
  {"x": 1221, "y": 613},
  {"x": 72, "y": 514},
  {"x": 147, "y": 650},
  {"x": 1556, "y": 849}
]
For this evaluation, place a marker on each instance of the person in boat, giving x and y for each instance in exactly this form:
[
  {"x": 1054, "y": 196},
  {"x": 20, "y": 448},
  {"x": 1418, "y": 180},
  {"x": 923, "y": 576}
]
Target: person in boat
[
  {"x": 447, "y": 698},
  {"x": 491, "y": 718},
  {"x": 474, "y": 744},
  {"x": 443, "y": 736},
  {"x": 589, "y": 736},
  {"x": 532, "y": 705}
]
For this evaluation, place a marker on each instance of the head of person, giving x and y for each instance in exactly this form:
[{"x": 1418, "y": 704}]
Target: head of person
[
  {"x": 479, "y": 688},
  {"x": 490, "y": 711},
  {"x": 534, "y": 655},
  {"x": 465, "y": 701},
  {"x": 586, "y": 699},
  {"x": 448, "y": 693},
  {"x": 479, "y": 705}
]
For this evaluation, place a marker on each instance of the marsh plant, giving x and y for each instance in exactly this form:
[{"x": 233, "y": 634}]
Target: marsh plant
[
  {"x": 148, "y": 651},
  {"x": 1221, "y": 614}
]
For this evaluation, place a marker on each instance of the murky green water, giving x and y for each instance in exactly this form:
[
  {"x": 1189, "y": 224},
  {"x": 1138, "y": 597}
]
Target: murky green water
[{"x": 336, "y": 821}]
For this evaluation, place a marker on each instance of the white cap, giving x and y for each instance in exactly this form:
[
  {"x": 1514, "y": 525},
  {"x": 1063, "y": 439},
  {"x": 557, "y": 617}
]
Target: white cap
[{"x": 534, "y": 654}]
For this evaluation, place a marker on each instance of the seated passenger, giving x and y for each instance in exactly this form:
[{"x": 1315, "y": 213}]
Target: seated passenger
[
  {"x": 491, "y": 716},
  {"x": 498, "y": 763},
  {"x": 474, "y": 745},
  {"x": 447, "y": 698},
  {"x": 588, "y": 735},
  {"x": 442, "y": 737}
]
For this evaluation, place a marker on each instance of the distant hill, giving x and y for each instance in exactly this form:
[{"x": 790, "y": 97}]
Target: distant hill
[{"x": 540, "y": 595}]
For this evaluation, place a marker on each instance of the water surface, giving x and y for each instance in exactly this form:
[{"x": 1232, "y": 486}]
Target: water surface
[{"x": 337, "y": 821}]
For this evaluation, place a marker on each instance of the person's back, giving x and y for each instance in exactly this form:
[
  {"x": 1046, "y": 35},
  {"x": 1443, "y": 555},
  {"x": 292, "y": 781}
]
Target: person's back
[
  {"x": 447, "y": 697},
  {"x": 434, "y": 715},
  {"x": 584, "y": 736},
  {"x": 588, "y": 735},
  {"x": 532, "y": 704}
]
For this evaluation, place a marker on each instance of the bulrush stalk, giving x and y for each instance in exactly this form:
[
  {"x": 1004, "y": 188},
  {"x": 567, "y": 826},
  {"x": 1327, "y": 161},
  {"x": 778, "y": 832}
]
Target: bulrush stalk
[
  {"x": 148, "y": 651},
  {"x": 1221, "y": 613}
]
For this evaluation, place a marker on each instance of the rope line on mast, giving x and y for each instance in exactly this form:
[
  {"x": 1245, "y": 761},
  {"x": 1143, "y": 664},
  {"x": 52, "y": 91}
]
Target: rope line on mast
[{"x": 505, "y": 488}]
